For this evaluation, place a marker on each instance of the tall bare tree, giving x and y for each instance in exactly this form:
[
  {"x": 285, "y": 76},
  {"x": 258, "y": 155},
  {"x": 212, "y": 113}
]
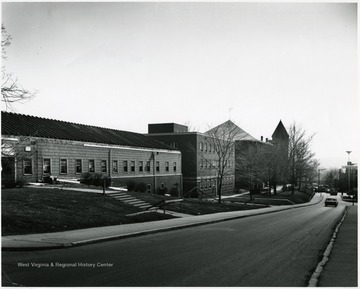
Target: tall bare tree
[
  {"x": 302, "y": 162},
  {"x": 11, "y": 90},
  {"x": 222, "y": 141}
]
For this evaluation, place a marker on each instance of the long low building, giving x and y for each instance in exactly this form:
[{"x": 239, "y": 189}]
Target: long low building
[{"x": 34, "y": 149}]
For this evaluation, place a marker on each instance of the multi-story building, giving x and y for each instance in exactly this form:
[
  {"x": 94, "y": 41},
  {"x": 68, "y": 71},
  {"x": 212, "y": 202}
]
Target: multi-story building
[
  {"x": 200, "y": 160},
  {"x": 35, "y": 148}
]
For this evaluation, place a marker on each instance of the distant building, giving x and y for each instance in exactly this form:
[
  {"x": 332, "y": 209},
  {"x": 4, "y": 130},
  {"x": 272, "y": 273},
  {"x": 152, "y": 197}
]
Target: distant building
[
  {"x": 198, "y": 159},
  {"x": 35, "y": 148}
]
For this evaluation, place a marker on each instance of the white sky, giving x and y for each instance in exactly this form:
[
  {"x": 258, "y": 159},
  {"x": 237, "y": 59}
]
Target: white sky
[{"x": 124, "y": 65}]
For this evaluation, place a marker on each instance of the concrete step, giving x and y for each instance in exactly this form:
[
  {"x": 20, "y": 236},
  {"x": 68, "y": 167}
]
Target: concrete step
[
  {"x": 116, "y": 194},
  {"x": 136, "y": 202},
  {"x": 124, "y": 198}
]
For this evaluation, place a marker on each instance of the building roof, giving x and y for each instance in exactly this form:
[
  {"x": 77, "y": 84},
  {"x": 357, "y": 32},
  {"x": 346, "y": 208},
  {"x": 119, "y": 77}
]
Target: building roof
[
  {"x": 280, "y": 132},
  {"x": 229, "y": 128},
  {"x": 13, "y": 124}
]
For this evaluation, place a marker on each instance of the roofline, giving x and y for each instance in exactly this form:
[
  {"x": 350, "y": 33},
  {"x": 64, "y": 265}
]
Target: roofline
[
  {"x": 131, "y": 148},
  {"x": 90, "y": 144}
]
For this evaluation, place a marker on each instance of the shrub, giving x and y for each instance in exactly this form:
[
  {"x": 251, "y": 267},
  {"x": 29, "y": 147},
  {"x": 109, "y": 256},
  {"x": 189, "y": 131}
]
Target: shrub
[
  {"x": 174, "y": 192},
  {"x": 20, "y": 183},
  {"x": 130, "y": 185},
  {"x": 95, "y": 179},
  {"x": 140, "y": 187},
  {"x": 162, "y": 191}
]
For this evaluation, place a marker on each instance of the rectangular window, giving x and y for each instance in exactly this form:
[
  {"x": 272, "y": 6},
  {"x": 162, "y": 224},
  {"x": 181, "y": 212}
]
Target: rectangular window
[
  {"x": 103, "y": 166},
  {"x": 148, "y": 188},
  {"x": 47, "y": 166},
  {"x": 201, "y": 146},
  {"x": 28, "y": 167},
  {"x": 125, "y": 166},
  {"x": 78, "y": 166},
  {"x": 115, "y": 167},
  {"x": 148, "y": 166},
  {"x": 91, "y": 166},
  {"x": 63, "y": 166},
  {"x": 174, "y": 166},
  {"x": 132, "y": 165},
  {"x": 158, "y": 166},
  {"x": 201, "y": 163},
  {"x": 167, "y": 166},
  {"x": 141, "y": 166}
]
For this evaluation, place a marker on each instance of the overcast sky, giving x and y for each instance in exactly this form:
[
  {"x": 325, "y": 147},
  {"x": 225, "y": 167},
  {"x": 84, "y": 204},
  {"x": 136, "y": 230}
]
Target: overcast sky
[{"x": 124, "y": 65}]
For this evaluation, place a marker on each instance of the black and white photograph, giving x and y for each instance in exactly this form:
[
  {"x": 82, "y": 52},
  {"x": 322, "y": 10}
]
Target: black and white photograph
[{"x": 179, "y": 144}]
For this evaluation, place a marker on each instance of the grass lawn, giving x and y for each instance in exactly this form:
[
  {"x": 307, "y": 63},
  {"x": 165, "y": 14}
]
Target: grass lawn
[
  {"x": 276, "y": 200},
  {"x": 194, "y": 206},
  {"x": 39, "y": 210}
]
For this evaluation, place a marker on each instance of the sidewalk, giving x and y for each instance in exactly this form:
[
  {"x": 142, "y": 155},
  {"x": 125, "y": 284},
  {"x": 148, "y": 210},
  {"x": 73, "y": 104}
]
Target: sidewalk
[
  {"x": 99, "y": 234},
  {"x": 341, "y": 270}
]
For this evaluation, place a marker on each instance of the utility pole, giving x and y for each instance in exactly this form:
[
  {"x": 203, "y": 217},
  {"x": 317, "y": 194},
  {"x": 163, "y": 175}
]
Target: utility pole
[
  {"x": 319, "y": 170},
  {"x": 348, "y": 170}
]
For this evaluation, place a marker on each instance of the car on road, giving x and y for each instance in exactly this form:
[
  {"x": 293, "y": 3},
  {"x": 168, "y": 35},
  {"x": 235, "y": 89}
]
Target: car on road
[{"x": 331, "y": 202}]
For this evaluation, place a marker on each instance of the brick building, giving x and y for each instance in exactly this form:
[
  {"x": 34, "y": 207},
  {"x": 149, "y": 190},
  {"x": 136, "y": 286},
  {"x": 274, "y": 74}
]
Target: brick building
[
  {"x": 199, "y": 159},
  {"x": 35, "y": 148}
]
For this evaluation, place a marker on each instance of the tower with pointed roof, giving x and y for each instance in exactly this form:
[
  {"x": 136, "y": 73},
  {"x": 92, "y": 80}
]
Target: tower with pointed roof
[
  {"x": 280, "y": 134},
  {"x": 280, "y": 138}
]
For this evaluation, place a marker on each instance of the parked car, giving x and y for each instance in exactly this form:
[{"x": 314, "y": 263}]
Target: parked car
[
  {"x": 331, "y": 202},
  {"x": 333, "y": 192}
]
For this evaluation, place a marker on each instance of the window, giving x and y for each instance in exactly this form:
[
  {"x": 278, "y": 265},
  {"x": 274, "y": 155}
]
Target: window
[
  {"x": 206, "y": 146},
  {"x": 141, "y": 166},
  {"x": 174, "y": 166},
  {"x": 27, "y": 166},
  {"x": 78, "y": 166},
  {"x": 132, "y": 165},
  {"x": 47, "y": 166},
  {"x": 209, "y": 147},
  {"x": 148, "y": 188},
  {"x": 148, "y": 166},
  {"x": 201, "y": 146},
  {"x": 103, "y": 166},
  {"x": 162, "y": 186},
  {"x": 167, "y": 166},
  {"x": 158, "y": 166},
  {"x": 91, "y": 166},
  {"x": 125, "y": 165},
  {"x": 63, "y": 166},
  {"x": 115, "y": 167},
  {"x": 201, "y": 163}
]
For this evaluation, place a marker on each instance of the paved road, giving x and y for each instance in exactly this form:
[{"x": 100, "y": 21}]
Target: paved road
[{"x": 277, "y": 249}]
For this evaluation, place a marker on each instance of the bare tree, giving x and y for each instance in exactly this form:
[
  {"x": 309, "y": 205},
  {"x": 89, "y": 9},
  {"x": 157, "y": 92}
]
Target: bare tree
[
  {"x": 222, "y": 141},
  {"x": 302, "y": 164},
  {"x": 331, "y": 177},
  {"x": 273, "y": 165},
  {"x": 11, "y": 90}
]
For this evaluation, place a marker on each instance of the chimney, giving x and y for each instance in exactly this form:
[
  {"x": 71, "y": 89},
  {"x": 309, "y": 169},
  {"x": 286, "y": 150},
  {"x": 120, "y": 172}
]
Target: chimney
[{"x": 262, "y": 138}]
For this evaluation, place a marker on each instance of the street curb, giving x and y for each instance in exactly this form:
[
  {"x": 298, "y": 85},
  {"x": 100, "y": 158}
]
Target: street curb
[
  {"x": 147, "y": 232},
  {"x": 320, "y": 267}
]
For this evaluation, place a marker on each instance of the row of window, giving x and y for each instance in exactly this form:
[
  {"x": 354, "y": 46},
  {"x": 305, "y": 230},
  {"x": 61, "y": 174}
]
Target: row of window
[
  {"x": 207, "y": 147},
  {"x": 211, "y": 183},
  {"x": 127, "y": 166},
  {"x": 208, "y": 164}
]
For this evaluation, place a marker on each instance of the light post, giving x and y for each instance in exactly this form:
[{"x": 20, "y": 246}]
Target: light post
[
  {"x": 348, "y": 170},
  {"x": 319, "y": 170}
]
